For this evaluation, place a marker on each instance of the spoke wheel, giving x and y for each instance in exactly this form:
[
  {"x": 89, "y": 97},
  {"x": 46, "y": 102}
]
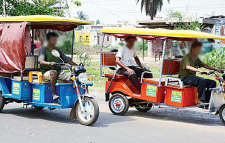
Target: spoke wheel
[
  {"x": 2, "y": 102},
  {"x": 222, "y": 113},
  {"x": 118, "y": 104},
  {"x": 91, "y": 113},
  {"x": 144, "y": 107}
]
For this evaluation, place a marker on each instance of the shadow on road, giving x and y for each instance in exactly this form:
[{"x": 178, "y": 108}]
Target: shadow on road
[
  {"x": 105, "y": 119},
  {"x": 179, "y": 115},
  {"x": 62, "y": 116}
]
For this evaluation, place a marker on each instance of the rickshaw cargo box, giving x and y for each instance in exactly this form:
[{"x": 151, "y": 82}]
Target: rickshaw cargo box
[
  {"x": 42, "y": 93},
  {"x": 180, "y": 97},
  {"x": 151, "y": 91},
  {"x": 21, "y": 90}
]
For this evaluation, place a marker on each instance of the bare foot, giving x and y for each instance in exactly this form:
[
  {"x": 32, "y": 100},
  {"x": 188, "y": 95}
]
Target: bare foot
[{"x": 55, "y": 97}]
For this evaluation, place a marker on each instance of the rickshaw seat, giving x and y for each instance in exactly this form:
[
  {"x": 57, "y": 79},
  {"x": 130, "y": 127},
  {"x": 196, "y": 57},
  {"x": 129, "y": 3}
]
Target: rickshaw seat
[
  {"x": 46, "y": 81},
  {"x": 5, "y": 75},
  {"x": 43, "y": 81},
  {"x": 154, "y": 80},
  {"x": 178, "y": 86},
  {"x": 18, "y": 78},
  {"x": 118, "y": 76}
]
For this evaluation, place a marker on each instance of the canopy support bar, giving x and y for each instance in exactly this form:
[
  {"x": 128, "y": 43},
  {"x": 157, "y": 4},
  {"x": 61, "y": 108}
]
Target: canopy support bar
[
  {"x": 143, "y": 49},
  {"x": 73, "y": 37},
  {"x": 101, "y": 53},
  {"x": 163, "y": 57}
]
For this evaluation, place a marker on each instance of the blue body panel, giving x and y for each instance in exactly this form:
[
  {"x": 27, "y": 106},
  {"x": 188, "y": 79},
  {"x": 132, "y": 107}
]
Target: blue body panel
[
  {"x": 5, "y": 85},
  {"x": 44, "y": 95},
  {"x": 40, "y": 94},
  {"x": 21, "y": 90}
]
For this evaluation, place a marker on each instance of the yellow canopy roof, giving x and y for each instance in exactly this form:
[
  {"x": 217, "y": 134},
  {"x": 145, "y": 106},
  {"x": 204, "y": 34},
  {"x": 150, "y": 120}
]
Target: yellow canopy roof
[
  {"x": 49, "y": 20},
  {"x": 160, "y": 32}
]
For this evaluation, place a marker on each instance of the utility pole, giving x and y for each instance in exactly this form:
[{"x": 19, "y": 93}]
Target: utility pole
[{"x": 4, "y": 8}]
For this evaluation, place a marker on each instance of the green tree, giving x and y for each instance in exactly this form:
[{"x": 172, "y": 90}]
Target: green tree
[
  {"x": 16, "y": 8},
  {"x": 151, "y": 7},
  {"x": 33, "y": 7},
  {"x": 181, "y": 24}
]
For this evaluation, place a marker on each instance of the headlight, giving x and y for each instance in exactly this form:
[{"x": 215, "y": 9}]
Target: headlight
[{"x": 83, "y": 77}]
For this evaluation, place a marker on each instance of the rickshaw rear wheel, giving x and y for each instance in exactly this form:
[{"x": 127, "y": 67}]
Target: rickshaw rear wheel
[
  {"x": 144, "y": 107},
  {"x": 222, "y": 113},
  {"x": 39, "y": 108},
  {"x": 90, "y": 116},
  {"x": 2, "y": 102},
  {"x": 118, "y": 104}
]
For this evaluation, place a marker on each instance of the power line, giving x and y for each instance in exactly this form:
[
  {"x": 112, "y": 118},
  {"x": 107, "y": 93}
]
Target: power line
[{"x": 108, "y": 10}]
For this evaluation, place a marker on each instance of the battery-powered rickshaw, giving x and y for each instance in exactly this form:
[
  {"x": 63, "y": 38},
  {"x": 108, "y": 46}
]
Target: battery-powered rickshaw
[
  {"x": 20, "y": 78},
  {"x": 168, "y": 91}
]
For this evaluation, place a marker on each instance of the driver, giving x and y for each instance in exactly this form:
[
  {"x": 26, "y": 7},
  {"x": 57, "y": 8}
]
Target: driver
[
  {"x": 126, "y": 66},
  {"x": 189, "y": 66},
  {"x": 47, "y": 61}
]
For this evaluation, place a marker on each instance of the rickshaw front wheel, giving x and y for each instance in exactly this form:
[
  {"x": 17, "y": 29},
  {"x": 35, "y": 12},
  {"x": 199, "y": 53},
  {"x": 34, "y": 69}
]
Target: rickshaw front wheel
[
  {"x": 2, "y": 102},
  {"x": 144, "y": 107},
  {"x": 222, "y": 113},
  {"x": 118, "y": 104},
  {"x": 91, "y": 113}
]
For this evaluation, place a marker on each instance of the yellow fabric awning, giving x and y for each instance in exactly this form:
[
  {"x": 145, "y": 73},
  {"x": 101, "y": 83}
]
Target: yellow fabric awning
[
  {"x": 51, "y": 20},
  {"x": 160, "y": 32}
]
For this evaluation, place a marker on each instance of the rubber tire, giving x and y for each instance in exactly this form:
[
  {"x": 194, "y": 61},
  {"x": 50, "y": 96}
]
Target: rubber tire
[
  {"x": 125, "y": 101},
  {"x": 39, "y": 107},
  {"x": 145, "y": 109},
  {"x": 2, "y": 102},
  {"x": 220, "y": 114},
  {"x": 96, "y": 112}
]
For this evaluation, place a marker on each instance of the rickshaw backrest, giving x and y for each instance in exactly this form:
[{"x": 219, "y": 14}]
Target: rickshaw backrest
[{"x": 109, "y": 59}]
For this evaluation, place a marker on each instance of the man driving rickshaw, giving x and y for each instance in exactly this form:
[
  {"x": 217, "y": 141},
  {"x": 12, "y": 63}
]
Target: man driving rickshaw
[
  {"x": 50, "y": 71},
  {"x": 189, "y": 66},
  {"x": 126, "y": 66}
]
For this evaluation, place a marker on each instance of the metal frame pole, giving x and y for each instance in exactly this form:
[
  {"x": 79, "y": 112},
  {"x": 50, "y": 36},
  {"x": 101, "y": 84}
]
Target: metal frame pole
[
  {"x": 163, "y": 57},
  {"x": 32, "y": 41},
  {"x": 103, "y": 38},
  {"x": 73, "y": 38},
  {"x": 143, "y": 49}
]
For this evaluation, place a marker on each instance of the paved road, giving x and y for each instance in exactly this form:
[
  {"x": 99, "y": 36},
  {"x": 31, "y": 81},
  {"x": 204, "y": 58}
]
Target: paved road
[{"x": 158, "y": 125}]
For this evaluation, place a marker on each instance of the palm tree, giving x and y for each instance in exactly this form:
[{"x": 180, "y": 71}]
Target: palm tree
[
  {"x": 151, "y": 7},
  {"x": 82, "y": 15}
]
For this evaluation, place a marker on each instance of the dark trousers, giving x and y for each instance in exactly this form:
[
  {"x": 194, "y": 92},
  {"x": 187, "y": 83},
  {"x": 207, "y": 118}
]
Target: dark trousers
[
  {"x": 203, "y": 86},
  {"x": 134, "y": 77}
]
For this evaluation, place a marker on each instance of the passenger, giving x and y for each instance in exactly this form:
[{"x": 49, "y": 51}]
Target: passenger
[
  {"x": 47, "y": 61},
  {"x": 126, "y": 66},
  {"x": 189, "y": 66}
]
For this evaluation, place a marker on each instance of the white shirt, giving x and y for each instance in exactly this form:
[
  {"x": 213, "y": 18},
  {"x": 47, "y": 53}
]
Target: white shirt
[{"x": 127, "y": 55}]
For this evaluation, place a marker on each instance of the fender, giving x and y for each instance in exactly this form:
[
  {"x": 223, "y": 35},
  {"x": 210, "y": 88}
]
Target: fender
[
  {"x": 73, "y": 111},
  {"x": 218, "y": 110}
]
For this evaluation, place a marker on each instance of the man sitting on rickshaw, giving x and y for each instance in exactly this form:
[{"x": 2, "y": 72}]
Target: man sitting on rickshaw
[
  {"x": 125, "y": 64},
  {"x": 189, "y": 66},
  {"x": 47, "y": 61}
]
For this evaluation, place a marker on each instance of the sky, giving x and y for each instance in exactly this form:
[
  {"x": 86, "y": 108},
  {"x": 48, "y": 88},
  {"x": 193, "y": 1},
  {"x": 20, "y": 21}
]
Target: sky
[{"x": 112, "y": 11}]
